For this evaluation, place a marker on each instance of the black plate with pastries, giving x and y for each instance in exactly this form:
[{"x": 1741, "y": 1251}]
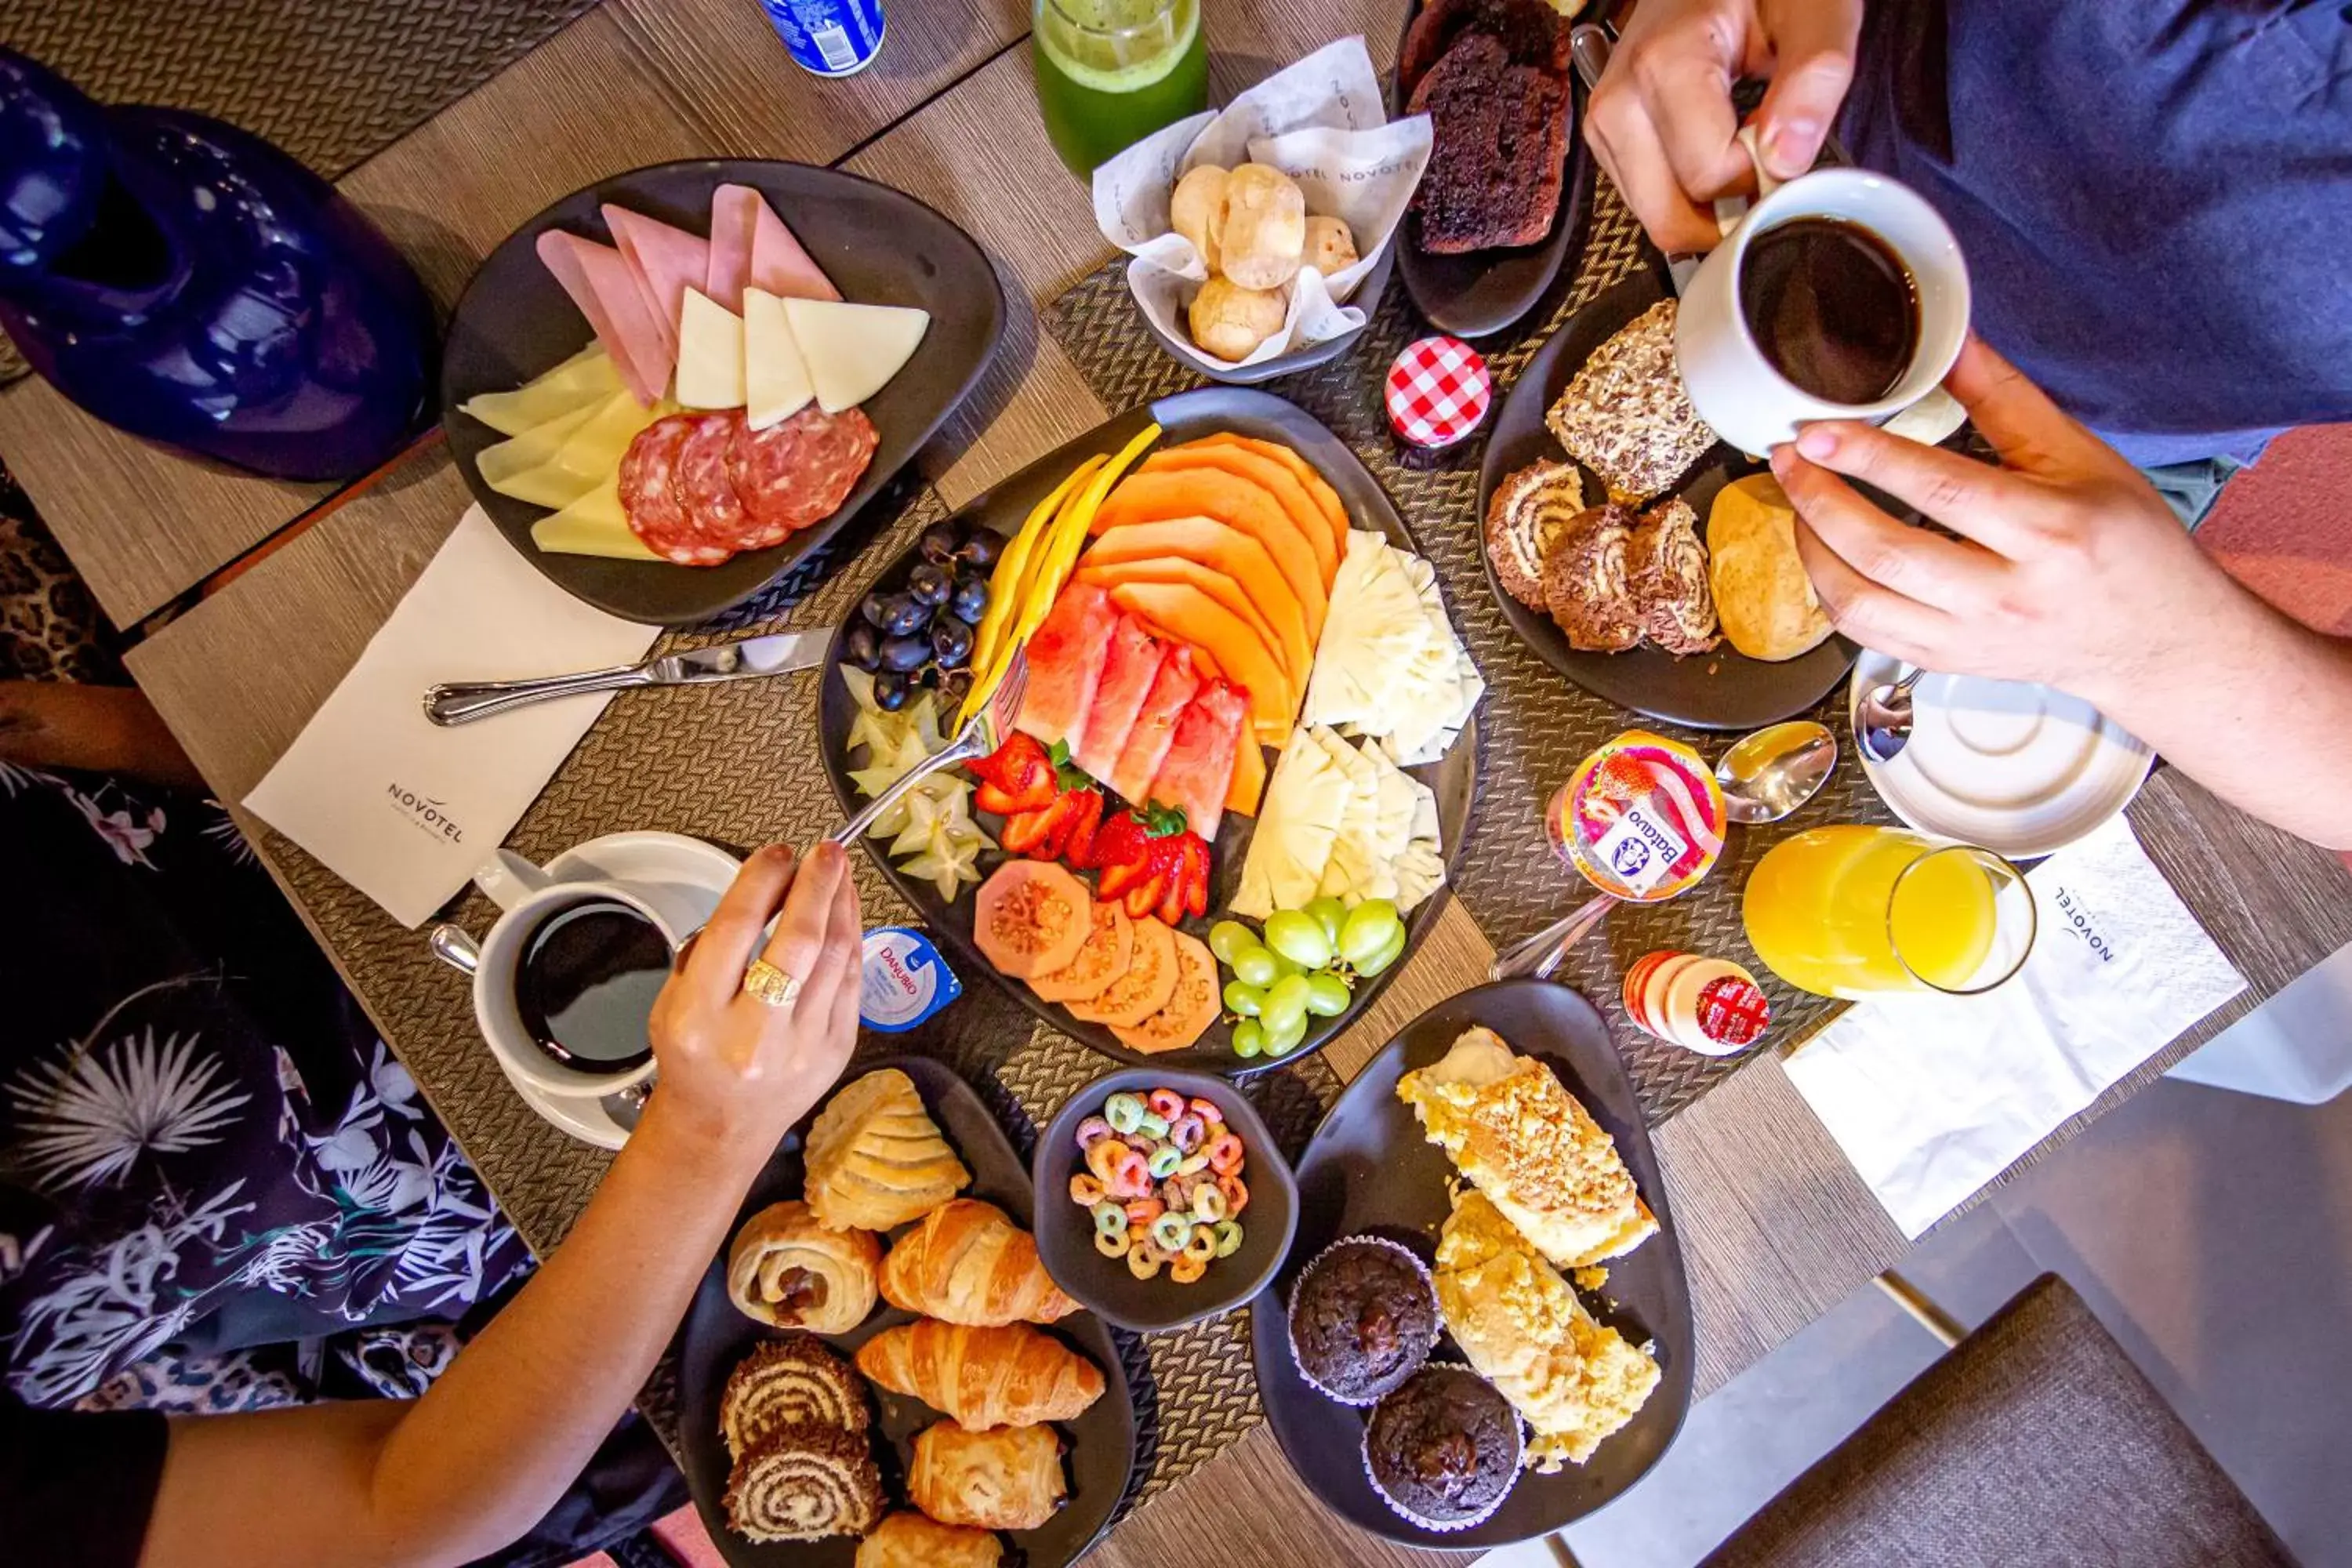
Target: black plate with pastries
[
  {"x": 1370, "y": 1169},
  {"x": 1100, "y": 1445},
  {"x": 1479, "y": 293},
  {"x": 880, "y": 247},
  {"x": 1722, "y": 690}
]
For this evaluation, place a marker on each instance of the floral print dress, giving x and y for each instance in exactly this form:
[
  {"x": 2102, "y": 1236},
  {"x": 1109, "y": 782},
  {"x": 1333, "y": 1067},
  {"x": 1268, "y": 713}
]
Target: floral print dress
[{"x": 219, "y": 1189}]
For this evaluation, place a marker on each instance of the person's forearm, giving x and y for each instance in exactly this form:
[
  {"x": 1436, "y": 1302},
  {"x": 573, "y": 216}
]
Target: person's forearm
[
  {"x": 95, "y": 729},
  {"x": 2253, "y": 706}
]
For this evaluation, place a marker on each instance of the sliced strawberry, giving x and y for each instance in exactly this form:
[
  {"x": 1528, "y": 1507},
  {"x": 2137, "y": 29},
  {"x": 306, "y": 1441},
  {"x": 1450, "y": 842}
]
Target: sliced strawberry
[
  {"x": 1195, "y": 876},
  {"x": 1078, "y": 829},
  {"x": 1017, "y": 776},
  {"x": 1147, "y": 895},
  {"x": 1120, "y": 840},
  {"x": 1026, "y": 833}
]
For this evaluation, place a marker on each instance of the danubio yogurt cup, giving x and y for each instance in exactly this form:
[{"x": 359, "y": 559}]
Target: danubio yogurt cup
[{"x": 904, "y": 981}]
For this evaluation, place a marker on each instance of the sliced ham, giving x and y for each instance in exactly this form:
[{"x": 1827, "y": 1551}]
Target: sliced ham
[
  {"x": 601, "y": 283},
  {"x": 1066, "y": 659},
  {"x": 734, "y": 215},
  {"x": 1155, "y": 723},
  {"x": 1130, "y": 663},
  {"x": 667, "y": 262},
  {"x": 1199, "y": 767},
  {"x": 780, "y": 266}
]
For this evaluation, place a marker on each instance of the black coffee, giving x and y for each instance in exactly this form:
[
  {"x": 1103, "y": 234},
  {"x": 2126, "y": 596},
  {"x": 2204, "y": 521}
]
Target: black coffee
[
  {"x": 1831, "y": 308},
  {"x": 587, "y": 983}
]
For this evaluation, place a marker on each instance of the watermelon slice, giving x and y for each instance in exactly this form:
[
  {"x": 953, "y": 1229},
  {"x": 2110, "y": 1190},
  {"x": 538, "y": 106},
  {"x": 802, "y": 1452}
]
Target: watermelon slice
[
  {"x": 1129, "y": 665},
  {"x": 1065, "y": 658},
  {"x": 1155, "y": 725},
  {"x": 1199, "y": 767}
]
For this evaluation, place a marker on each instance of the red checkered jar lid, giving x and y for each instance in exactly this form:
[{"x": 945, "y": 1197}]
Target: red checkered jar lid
[{"x": 1438, "y": 391}]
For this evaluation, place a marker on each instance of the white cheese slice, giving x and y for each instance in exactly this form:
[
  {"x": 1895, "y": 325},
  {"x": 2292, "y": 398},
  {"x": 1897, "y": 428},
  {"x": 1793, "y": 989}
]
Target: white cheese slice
[
  {"x": 589, "y": 454},
  {"x": 775, "y": 376},
  {"x": 1372, "y": 633},
  {"x": 853, "y": 351},
  {"x": 519, "y": 454},
  {"x": 1296, "y": 823},
  {"x": 583, "y": 379},
  {"x": 1358, "y": 867},
  {"x": 592, "y": 525},
  {"x": 709, "y": 353}
]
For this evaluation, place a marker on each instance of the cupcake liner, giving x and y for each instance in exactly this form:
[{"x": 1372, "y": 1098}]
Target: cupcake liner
[
  {"x": 1511, "y": 1474},
  {"x": 1436, "y": 1321}
]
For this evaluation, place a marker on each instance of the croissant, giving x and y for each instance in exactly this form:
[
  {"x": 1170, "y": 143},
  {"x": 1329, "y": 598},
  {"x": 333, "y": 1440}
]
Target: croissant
[
  {"x": 909, "y": 1541},
  {"x": 968, "y": 1263},
  {"x": 787, "y": 1269},
  {"x": 1009, "y": 1477},
  {"x": 875, "y": 1158},
  {"x": 1008, "y": 1376}
]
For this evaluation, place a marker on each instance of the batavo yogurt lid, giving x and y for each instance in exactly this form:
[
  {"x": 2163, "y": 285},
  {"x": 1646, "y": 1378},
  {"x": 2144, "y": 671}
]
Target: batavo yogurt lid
[{"x": 905, "y": 980}]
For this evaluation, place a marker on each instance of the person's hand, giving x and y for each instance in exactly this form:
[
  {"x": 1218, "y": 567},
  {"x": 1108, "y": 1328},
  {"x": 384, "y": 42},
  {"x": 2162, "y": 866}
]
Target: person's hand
[
  {"x": 2070, "y": 570},
  {"x": 733, "y": 1068},
  {"x": 1662, "y": 122}
]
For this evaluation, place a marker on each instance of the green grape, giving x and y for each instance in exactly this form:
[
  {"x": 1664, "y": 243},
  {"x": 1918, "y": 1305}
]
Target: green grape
[
  {"x": 1283, "y": 1041},
  {"x": 1249, "y": 1039},
  {"x": 1291, "y": 992},
  {"x": 1243, "y": 999},
  {"x": 1227, "y": 939},
  {"x": 1391, "y": 951},
  {"x": 1252, "y": 965},
  {"x": 1367, "y": 932},
  {"x": 1326, "y": 995},
  {"x": 1299, "y": 937},
  {"x": 1330, "y": 914},
  {"x": 1280, "y": 1019}
]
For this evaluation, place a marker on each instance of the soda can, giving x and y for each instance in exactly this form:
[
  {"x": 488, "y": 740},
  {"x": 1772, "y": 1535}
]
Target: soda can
[{"x": 830, "y": 38}]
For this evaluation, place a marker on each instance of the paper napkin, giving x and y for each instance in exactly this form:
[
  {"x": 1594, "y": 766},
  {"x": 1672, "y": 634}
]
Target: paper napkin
[
  {"x": 1932, "y": 1097},
  {"x": 401, "y": 808}
]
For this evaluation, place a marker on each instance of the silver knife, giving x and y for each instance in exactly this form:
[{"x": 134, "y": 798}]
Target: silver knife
[{"x": 779, "y": 653}]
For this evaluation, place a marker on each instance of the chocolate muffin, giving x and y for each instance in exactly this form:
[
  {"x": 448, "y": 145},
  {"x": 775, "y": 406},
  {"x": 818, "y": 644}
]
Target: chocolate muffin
[
  {"x": 1444, "y": 1450},
  {"x": 1363, "y": 1317}
]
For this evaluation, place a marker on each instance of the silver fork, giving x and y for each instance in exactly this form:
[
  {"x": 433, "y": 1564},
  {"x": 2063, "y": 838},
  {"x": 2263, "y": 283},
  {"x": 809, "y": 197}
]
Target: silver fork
[{"x": 977, "y": 739}]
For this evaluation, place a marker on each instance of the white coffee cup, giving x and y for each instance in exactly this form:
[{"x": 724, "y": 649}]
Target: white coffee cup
[
  {"x": 1736, "y": 389},
  {"x": 527, "y": 896}
]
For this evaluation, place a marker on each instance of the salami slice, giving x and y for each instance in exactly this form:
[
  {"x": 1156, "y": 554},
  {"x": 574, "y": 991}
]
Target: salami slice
[
  {"x": 799, "y": 473},
  {"x": 650, "y": 496},
  {"x": 702, "y": 487}
]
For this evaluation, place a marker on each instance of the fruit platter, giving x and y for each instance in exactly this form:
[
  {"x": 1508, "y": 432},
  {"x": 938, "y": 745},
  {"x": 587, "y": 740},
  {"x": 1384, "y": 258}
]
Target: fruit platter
[
  {"x": 671, "y": 387},
  {"x": 1243, "y": 757}
]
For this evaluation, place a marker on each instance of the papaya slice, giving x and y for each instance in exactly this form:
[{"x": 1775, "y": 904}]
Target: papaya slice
[
  {"x": 1109, "y": 949},
  {"x": 1181, "y": 613},
  {"x": 1209, "y": 581},
  {"x": 1310, "y": 478},
  {"x": 1223, "y": 549},
  {"x": 1237, "y": 503},
  {"x": 1191, "y": 1008},
  {"x": 1149, "y": 981},
  {"x": 1032, "y": 917},
  {"x": 1275, "y": 478}
]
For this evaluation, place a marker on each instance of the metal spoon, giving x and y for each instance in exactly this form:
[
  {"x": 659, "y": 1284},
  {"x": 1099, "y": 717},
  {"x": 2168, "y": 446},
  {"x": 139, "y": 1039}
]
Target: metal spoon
[
  {"x": 1764, "y": 777},
  {"x": 1883, "y": 722},
  {"x": 1768, "y": 774}
]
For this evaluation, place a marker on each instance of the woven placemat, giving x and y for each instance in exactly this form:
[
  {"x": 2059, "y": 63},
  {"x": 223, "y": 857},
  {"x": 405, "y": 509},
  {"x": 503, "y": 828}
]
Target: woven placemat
[
  {"x": 739, "y": 764},
  {"x": 1534, "y": 726}
]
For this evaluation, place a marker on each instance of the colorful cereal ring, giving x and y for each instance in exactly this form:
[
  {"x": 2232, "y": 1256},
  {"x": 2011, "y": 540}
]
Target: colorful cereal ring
[
  {"x": 1103, "y": 1159},
  {"x": 1086, "y": 1189},
  {"x": 1208, "y": 1205},
  {"x": 1111, "y": 1245},
  {"x": 1229, "y": 1236},
  {"x": 1163, "y": 1161},
  {"x": 1140, "y": 1266},
  {"x": 1236, "y": 1195},
  {"x": 1206, "y": 1109},
  {"x": 1193, "y": 1162},
  {"x": 1092, "y": 1130},
  {"x": 1133, "y": 1177},
  {"x": 1141, "y": 1212},
  {"x": 1202, "y": 1244},
  {"x": 1165, "y": 1103},
  {"x": 1109, "y": 1217},
  {"x": 1188, "y": 1132},
  {"x": 1225, "y": 1155},
  {"x": 1153, "y": 1126},
  {"x": 1123, "y": 1111},
  {"x": 1170, "y": 1232},
  {"x": 1186, "y": 1271}
]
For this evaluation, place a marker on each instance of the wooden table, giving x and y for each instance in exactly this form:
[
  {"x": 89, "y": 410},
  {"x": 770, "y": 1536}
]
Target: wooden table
[{"x": 1776, "y": 1225}]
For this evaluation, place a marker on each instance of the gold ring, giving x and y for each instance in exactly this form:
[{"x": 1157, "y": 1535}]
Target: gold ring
[{"x": 766, "y": 983}]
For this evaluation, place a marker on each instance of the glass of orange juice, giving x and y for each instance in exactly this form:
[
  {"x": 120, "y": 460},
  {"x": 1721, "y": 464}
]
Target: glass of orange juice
[{"x": 1852, "y": 910}]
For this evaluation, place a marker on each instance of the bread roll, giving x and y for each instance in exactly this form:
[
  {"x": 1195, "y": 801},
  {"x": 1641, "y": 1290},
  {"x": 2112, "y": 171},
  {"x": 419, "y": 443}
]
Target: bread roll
[
  {"x": 1762, "y": 596},
  {"x": 1229, "y": 321},
  {"x": 1329, "y": 245},
  {"x": 1197, "y": 211},
  {"x": 1265, "y": 233}
]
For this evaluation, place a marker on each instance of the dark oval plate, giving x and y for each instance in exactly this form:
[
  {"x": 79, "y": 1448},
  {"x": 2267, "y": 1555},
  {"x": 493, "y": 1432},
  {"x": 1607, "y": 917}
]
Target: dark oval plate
[
  {"x": 1725, "y": 689},
  {"x": 1455, "y": 778},
  {"x": 1370, "y": 1169},
  {"x": 1482, "y": 292},
  {"x": 1100, "y": 1443},
  {"x": 880, "y": 245},
  {"x": 1367, "y": 298}
]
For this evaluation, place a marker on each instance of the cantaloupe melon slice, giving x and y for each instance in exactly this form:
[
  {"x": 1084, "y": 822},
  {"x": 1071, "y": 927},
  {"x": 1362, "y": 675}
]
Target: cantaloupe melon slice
[
  {"x": 1223, "y": 549},
  {"x": 1237, "y": 503}
]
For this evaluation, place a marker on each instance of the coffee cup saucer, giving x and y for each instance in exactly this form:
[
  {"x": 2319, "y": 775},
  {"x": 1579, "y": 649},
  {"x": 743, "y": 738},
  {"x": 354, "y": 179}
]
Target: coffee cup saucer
[{"x": 683, "y": 878}]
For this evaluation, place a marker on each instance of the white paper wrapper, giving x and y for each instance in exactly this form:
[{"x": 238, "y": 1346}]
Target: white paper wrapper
[{"x": 1322, "y": 122}]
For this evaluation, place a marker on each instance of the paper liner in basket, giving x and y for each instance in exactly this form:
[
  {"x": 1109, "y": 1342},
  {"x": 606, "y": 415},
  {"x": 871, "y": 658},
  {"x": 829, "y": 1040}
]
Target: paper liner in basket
[{"x": 1322, "y": 122}]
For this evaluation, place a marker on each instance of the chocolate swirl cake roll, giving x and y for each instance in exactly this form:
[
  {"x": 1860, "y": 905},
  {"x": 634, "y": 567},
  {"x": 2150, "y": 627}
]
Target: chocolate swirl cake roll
[
  {"x": 804, "y": 1482},
  {"x": 789, "y": 1381}
]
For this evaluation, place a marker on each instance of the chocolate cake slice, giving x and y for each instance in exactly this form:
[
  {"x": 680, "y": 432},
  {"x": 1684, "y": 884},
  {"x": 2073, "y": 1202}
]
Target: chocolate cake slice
[
  {"x": 1666, "y": 566},
  {"x": 1498, "y": 148},
  {"x": 1585, "y": 585},
  {"x": 1530, "y": 30}
]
